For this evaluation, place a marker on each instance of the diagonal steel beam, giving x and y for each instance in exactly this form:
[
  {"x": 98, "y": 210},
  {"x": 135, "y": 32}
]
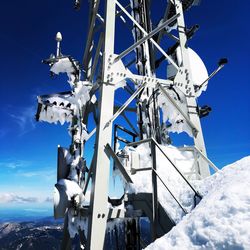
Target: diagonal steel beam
[
  {"x": 118, "y": 163},
  {"x": 145, "y": 33},
  {"x": 145, "y": 38},
  {"x": 125, "y": 105},
  {"x": 165, "y": 17},
  {"x": 97, "y": 55},
  {"x": 189, "y": 122},
  {"x": 87, "y": 51}
]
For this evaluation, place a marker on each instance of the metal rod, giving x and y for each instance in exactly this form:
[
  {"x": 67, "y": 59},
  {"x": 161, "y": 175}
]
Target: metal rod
[
  {"x": 145, "y": 33},
  {"x": 126, "y": 130},
  {"x": 164, "y": 18},
  {"x": 183, "y": 209},
  {"x": 206, "y": 159},
  {"x": 155, "y": 215},
  {"x": 122, "y": 139},
  {"x": 132, "y": 144},
  {"x": 130, "y": 124},
  {"x": 142, "y": 169},
  {"x": 88, "y": 176},
  {"x": 183, "y": 177},
  {"x": 194, "y": 148},
  {"x": 97, "y": 55},
  {"x": 210, "y": 77},
  {"x": 124, "y": 106},
  {"x": 118, "y": 163},
  {"x": 87, "y": 51},
  {"x": 145, "y": 38}
]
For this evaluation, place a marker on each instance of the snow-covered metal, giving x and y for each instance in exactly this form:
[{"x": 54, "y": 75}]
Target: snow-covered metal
[{"x": 157, "y": 176}]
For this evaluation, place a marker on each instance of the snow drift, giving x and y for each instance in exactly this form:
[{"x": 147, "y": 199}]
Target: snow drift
[{"x": 222, "y": 218}]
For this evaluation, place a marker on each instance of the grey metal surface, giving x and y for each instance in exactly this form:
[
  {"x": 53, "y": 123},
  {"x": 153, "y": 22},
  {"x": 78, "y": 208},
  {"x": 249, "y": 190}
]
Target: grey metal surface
[
  {"x": 202, "y": 166},
  {"x": 143, "y": 201},
  {"x": 99, "y": 192}
]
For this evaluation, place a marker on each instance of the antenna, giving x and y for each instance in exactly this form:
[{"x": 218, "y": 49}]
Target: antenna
[
  {"x": 58, "y": 48},
  {"x": 77, "y": 4},
  {"x": 222, "y": 62},
  {"x": 132, "y": 139}
]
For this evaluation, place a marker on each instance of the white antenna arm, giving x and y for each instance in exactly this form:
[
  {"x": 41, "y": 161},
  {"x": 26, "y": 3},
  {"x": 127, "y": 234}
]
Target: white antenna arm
[{"x": 58, "y": 39}]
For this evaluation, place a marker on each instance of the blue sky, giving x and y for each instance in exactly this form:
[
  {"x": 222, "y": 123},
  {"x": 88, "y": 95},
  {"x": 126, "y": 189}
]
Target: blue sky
[{"x": 27, "y": 31}]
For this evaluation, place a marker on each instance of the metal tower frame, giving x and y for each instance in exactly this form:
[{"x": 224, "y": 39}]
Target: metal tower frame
[{"x": 102, "y": 71}]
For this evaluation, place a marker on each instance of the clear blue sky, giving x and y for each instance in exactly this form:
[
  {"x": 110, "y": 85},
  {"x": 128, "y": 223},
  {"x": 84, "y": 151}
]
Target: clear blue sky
[{"x": 27, "y": 31}]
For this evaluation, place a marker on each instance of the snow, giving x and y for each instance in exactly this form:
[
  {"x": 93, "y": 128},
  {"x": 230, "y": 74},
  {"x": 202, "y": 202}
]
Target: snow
[
  {"x": 81, "y": 93},
  {"x": 71, "y": 187},
  {"x": 67, "y": 155},
  {"x": 53, "y": 114},
  {"x": 177, "y": 122},
  {"x": 222, "y": 218},
  {"x": 63, "y": 65},
  {"x": 199, "y": 74},
  {"x": 184, "y": 162}
]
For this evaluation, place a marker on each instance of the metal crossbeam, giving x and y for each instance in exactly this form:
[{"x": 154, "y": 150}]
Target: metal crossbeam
[
  {"x": 145, "y": 33},
  {"x": 145, "y": 38}
]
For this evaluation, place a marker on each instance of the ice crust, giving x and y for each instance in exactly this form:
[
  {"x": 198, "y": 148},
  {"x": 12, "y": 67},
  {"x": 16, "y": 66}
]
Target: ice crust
[
  {"x": 71, "y": 187},
  {"x": 63, "y": 65},
  {"x": 58, "y": 109},
  {"x": 222, "y": 218},
  {"x": 171, "y": 115}
]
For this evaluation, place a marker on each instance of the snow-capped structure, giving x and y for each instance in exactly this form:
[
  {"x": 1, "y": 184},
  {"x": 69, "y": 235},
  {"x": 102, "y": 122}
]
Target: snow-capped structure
[{"x": 134, "y": 136}]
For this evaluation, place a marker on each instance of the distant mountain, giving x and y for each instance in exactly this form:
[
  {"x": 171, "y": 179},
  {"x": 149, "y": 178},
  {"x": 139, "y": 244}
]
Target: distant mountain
[
  {"x": 38, "y": 235},
  {"x": 46, "y": 233}
]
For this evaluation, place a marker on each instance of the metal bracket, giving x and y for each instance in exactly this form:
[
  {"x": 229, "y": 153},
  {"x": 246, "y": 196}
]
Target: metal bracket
[{"x": 183, "y": 82}]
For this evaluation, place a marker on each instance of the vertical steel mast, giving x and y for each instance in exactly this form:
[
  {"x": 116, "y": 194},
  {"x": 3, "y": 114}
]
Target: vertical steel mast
[
  {"x": 185, "y": 71},
  {"x": 99, "y": 193}
]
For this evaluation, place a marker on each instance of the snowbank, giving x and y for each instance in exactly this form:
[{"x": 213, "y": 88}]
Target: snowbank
[{"x": 222, "y": 218}]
